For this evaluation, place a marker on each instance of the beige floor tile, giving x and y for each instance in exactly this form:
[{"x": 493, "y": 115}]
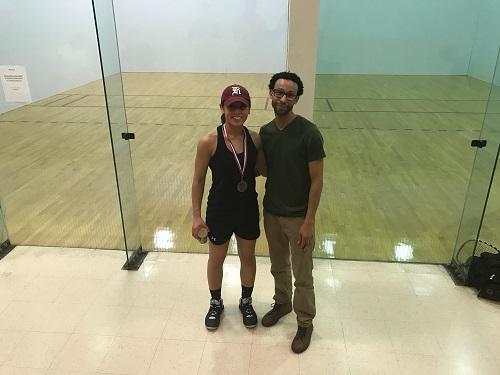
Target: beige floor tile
[
  {"x": 371, "y": 363},
  {"x": 391, "y": 283},
  {"x": 177, "y": 357},
  {"x": 83, "y": 353},
  {"x": 63, "y": 317},
  {"x": 423, "y": 268},
  {"x": 117, "y": 293},
  {"x": 144, "y": 322},
  {"x": 187, "y": 325},
  {"x": 28, "y": 316},
  {"x": 103, "y": 320},
  {"x": 8, "y": 370},
  {"x": 438, "y": 328},
  {"x": 275, "y": 359},
  {"x": 418, "y": 364},
  {"x": 350, "y": 281},
  {"x": 357, "y": 305},
  {"x": 366, "y": 335},
  {"x": 324, "y": 281},
  {"x": 81, "y": 289},
  {"x": 42, "y": 289},
  {"x": 131, "y": 356},
  {"x": 37, "y": 350},
  {"x": 322, "y": 264},
  {"x": 215, "y": 359},
  {"x": 465, "y": 365},
  {"x": 400, "y": 308},
  {"x": 318, "y": 360},
  {"x": 8, "y": 342},
  {"x": 413, "y": 338},
  {"x": 12, "y": 283},
  {"x": 466, "y": 344},
  {"x": 66, "y": 372},
  {"x": 328, "y": 334},
  {"x": 157, "y": 295},
  {"x": 432, "y": 284}
]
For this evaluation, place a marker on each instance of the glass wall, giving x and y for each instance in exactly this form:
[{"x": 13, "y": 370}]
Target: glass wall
[
  {"x": 4, "y": 237},
  {"x": 176, "y": 60},
  {"x": 56, "y": 166},
  {"x": 490, "y": 230},
  {"x": 117, "y": 121},
  {"x": 401, "y": 91},
  {"x": 480, "y": 219},
  {"x": 57, "y": 171}
]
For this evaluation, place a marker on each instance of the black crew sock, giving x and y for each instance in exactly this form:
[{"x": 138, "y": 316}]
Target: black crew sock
[
  {"x": 216, "y": 294},
  {"x": 246, "y": 291}
]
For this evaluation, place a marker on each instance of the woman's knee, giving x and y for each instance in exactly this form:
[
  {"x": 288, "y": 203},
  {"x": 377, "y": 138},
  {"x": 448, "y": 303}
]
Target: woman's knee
[{"x": 217, "y": 254}]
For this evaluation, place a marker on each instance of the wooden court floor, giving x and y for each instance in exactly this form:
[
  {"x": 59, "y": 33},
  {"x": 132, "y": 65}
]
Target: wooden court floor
[{"x": 396, "y": 173}]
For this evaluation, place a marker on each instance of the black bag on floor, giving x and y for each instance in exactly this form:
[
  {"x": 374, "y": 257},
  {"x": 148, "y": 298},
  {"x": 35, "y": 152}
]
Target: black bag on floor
[
  {"x": 484, "y": 275},
  {"x": 491, "y": 289}
]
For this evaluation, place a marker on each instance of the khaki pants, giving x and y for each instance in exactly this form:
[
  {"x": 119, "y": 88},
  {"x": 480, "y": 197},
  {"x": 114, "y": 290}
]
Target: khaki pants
[{"x": 282, "y": 235}]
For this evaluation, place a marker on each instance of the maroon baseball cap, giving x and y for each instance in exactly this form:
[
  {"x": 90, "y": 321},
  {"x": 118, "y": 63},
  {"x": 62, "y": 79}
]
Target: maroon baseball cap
[{"x": 235, "y": 93}]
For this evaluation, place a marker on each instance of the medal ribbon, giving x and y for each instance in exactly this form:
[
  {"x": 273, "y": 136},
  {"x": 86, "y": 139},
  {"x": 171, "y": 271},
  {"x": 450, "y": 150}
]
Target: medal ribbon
[{"x": 242, "y": 170}]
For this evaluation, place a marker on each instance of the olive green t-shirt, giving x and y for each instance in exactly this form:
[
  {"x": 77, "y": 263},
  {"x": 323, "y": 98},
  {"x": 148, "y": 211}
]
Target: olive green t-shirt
[{"x": 288, "y": 153}]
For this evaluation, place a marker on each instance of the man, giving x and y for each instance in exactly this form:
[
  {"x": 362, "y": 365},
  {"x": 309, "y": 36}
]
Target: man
[{"x": 293, "y": 148}]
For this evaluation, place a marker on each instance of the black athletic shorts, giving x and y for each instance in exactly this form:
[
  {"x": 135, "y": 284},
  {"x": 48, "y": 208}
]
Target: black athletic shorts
[{"x": 244, "y": 222}]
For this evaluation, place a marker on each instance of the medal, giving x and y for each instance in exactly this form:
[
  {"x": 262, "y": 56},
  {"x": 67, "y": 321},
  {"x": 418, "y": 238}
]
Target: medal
[{"x": 242, "y": 185}]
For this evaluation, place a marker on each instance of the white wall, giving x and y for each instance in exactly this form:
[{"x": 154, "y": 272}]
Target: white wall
[
  {"x": 486, "y": 41},
  {"x": 54, "y": 39},
  {"x": 245, "y": 36},
  {"x": 396, "y": 36}
]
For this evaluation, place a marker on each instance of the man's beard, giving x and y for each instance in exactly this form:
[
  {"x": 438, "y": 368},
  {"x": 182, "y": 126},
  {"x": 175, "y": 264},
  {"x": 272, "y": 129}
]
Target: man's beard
[{"x": 283, "y": 111}]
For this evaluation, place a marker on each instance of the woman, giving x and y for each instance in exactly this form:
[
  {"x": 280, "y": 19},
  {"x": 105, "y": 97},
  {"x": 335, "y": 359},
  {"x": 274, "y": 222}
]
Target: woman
[{"x": 231, "y": 153}]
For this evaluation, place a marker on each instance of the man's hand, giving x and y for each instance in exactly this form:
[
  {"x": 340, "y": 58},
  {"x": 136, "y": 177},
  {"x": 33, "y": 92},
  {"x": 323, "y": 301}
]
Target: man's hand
[{"x": 306, "y": 233}]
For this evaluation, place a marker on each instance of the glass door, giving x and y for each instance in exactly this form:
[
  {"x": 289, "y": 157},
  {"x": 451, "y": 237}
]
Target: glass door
[
  {"x": 118, "y": 128},
  {"x": 470, "y": 240}
]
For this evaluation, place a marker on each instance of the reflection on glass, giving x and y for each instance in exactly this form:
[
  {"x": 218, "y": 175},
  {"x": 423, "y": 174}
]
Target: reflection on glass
[
  {"x": 232, "y": 275},
  {"x": 233, "y": 246},
  {"x": 403, "y": 252},
  {"x": 327, "y": 244},
  {"x": 164, "y": 238}
]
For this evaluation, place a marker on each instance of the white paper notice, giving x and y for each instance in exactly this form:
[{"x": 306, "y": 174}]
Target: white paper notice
[{"x": 15, "y": 83}]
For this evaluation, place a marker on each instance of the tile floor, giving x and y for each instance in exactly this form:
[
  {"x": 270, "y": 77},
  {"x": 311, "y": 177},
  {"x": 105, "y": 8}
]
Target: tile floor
[{"x": 74, "y": 311}]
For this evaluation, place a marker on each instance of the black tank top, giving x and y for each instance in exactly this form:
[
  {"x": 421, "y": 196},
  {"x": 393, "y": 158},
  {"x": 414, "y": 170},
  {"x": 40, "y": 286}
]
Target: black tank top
[{"x": 226, "y": 175}]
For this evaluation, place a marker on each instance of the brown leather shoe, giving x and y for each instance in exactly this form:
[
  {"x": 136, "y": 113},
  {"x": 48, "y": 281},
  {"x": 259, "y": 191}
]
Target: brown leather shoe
[
  {"x": 302, "y": 339},
  {"x": 279, "y": 310}
]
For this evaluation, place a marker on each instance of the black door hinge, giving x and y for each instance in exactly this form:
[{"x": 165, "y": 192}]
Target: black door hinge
[
  {"x": 128, "y": 136},
  {"x": 479, "y": 143}
]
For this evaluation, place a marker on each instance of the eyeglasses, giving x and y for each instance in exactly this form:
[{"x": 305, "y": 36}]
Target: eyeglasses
[{"x": 280, "y": 93}]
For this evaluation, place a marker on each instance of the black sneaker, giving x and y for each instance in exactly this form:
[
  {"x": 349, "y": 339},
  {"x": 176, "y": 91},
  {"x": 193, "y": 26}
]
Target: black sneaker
[
  {"x": 212, "y": 319},
  {"x": 249, "y": 314}
]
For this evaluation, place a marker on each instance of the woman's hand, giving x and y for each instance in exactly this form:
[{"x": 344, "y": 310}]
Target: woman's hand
[{"x": 198, "y": 224}]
